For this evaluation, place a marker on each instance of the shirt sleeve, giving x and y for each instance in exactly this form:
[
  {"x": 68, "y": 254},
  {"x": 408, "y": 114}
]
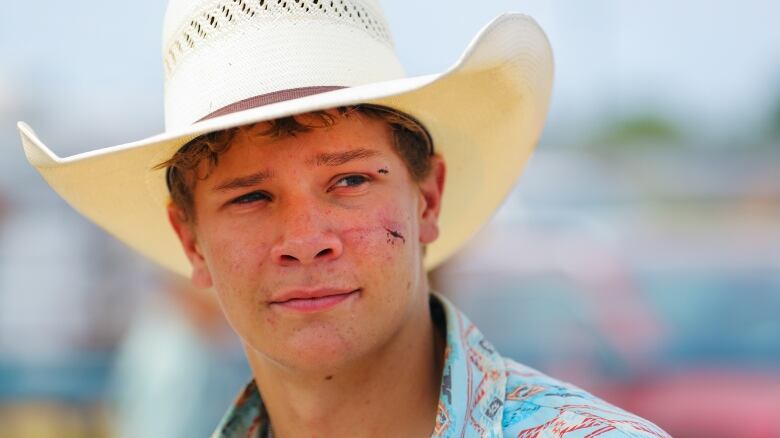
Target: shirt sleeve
[{"x": 537, "y": 405}]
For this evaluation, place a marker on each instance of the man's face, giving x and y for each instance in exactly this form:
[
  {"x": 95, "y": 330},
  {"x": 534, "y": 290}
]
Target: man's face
[{"x": 313, "y": 241}]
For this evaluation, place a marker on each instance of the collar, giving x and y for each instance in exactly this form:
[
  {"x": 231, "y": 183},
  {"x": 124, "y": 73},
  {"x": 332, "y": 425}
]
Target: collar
[
  {"x": 473, "y": 381},
  {"x": 470, "y": 399}
]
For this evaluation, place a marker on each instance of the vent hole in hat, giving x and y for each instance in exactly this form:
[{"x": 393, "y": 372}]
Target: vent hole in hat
[{"x": 220, "y": 16}]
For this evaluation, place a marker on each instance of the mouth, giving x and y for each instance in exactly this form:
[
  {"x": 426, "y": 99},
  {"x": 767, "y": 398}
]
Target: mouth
[{"x": 312, "y": 300}]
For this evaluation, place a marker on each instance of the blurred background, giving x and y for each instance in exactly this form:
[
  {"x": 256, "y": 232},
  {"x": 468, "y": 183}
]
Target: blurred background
[{"x": 639, "y": 256}]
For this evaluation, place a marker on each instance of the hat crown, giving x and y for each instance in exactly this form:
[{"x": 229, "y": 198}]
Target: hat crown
[{"x": 219, "y": 52}]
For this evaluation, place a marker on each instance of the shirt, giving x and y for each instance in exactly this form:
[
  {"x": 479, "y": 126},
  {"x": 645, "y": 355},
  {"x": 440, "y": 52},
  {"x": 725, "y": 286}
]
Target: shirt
[{"x": 483, "y": 395}]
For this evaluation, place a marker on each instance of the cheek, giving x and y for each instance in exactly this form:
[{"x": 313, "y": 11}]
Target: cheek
[
  {"x": 235, "y": 259},
  {"x": 385, "y": 234},
  {"x": 232, "y": 251}
]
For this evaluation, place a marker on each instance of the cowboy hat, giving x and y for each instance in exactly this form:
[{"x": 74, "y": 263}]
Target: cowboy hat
[{"x": 235, "y": 62}]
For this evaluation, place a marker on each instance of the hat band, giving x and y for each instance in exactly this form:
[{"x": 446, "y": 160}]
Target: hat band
[{"x": 269, "y": 98}]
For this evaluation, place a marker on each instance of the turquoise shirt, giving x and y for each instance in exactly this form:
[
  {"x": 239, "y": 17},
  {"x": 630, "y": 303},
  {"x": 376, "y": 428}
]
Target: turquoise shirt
[{"x": 483, "y": 395}]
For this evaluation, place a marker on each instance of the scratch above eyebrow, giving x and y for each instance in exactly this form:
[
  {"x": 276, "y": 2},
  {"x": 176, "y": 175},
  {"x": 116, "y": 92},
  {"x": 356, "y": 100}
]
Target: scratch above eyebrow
[
  {"x": 339, "y": 158},
  {"x": 244, "y": 181}
]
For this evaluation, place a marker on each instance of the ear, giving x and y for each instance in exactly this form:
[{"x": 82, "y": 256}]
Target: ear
[
  {"x": 431, "y": 191},
  {"x": 201, "y": 277}
]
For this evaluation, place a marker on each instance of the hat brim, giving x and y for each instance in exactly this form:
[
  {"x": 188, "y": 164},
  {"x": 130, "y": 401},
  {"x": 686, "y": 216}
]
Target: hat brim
[{"x": 485, "y": 115}]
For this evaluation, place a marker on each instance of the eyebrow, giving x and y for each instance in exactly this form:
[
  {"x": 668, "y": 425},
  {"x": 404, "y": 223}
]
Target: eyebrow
[
  {"x": 244, "y": 181},
  {"x": 339, "y": 158},
  {"x": 323, "y": 159}
]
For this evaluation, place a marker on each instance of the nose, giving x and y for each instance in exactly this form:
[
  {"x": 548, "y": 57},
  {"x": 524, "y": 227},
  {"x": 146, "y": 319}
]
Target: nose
[{"x": 306, "y": 237}]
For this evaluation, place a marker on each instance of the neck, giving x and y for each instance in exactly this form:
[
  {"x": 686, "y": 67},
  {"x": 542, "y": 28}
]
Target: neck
[{"x": 365, "y": 398}]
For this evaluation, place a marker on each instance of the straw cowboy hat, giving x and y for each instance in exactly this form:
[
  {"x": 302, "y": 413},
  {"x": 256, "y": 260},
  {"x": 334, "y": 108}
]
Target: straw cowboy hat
[{"x": 233, "y": 62}]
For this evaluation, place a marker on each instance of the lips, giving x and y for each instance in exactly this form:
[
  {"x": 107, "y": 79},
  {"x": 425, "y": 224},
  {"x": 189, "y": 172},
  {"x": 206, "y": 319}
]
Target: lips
[{"x": 312, "y": 300}]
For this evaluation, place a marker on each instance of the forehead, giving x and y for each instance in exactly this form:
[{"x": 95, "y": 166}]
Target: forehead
[{"x": 310, "y": 140}]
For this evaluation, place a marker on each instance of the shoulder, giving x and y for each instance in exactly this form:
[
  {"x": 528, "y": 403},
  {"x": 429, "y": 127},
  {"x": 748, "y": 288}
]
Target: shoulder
[{"x": 536, "y": 403}]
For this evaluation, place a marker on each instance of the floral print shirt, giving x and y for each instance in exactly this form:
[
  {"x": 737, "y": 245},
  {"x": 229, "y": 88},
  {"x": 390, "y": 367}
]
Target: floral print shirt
[{"x": 483, "y": 395}]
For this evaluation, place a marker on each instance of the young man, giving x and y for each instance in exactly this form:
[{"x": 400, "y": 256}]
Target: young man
[{"x": 304, "y": 178}]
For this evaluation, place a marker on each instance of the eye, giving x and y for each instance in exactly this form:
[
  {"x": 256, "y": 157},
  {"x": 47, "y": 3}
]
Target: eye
[
  {"x": 349, "y": 181},
  {"x": 251, "y": 197}
]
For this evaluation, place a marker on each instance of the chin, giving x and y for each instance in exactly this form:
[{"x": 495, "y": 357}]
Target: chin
[
  {"x": 321, "y": 357},
  {"x": 322, "y": 347}
]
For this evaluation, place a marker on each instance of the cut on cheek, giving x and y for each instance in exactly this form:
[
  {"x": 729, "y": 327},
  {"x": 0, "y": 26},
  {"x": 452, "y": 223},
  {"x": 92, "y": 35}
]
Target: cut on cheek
[
  {"x": 386, "y": 234},
  {"x": 395, "y": 230},
  {"x": 394, "y": 236}
]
